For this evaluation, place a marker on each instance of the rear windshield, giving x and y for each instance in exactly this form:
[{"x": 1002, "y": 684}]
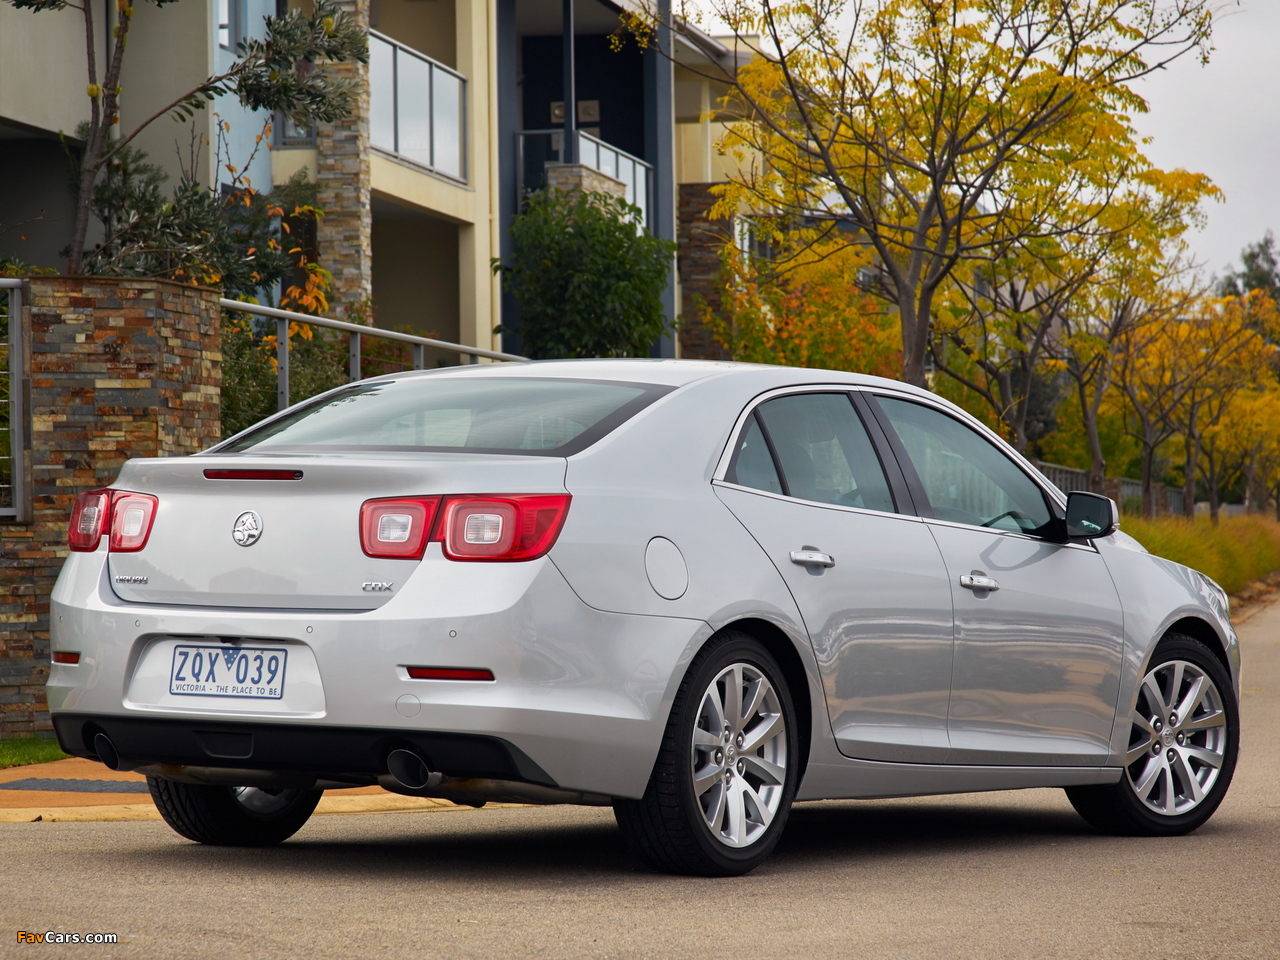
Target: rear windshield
[{"x": 535, "y": 417}]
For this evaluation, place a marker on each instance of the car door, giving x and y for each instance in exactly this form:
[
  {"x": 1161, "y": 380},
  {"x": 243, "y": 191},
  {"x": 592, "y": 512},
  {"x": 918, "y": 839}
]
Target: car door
[
  {"x": 1037, "y": 623},
  {"x": 806, "y": 481}
]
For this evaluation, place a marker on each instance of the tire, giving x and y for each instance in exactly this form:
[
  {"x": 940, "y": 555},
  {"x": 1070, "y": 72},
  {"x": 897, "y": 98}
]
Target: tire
[
  {"x": 721, "y": 789},
  {"x": 232, "y": 816},
  {"x": 1183, "y": 741}
]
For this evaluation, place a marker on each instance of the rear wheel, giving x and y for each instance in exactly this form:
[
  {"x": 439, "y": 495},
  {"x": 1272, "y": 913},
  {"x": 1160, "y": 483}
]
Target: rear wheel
[
  {"x": 721, "y": 789},
  {"x": 1184, "y": 733},
  {"x": 232, "y": 816}
]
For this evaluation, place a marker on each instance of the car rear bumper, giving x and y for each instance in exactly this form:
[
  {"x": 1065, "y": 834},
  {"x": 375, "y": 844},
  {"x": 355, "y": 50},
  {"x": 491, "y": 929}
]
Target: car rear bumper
[
  {"x": 581, "y": 694},
  {"x": 322, "y": 752}
]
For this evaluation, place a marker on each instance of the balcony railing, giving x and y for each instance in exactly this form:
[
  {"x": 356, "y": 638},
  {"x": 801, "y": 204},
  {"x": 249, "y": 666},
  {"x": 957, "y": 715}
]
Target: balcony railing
[
  {"x": 417, "y": 108},
  {"x": 537, "y": 148}
]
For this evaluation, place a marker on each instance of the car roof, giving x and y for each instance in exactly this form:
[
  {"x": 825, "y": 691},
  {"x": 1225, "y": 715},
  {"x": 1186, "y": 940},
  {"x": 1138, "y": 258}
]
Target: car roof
[{"x": 676, "y": 373}]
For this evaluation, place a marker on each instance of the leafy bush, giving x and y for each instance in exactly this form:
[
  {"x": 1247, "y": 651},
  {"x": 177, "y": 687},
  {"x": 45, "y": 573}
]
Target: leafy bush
[
  {"x": 1234, "y": 552},
  {"x": 589, "y": 282}
]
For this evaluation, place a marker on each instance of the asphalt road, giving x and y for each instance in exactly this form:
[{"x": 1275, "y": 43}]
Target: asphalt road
[{"x": 1005, "y": 875}]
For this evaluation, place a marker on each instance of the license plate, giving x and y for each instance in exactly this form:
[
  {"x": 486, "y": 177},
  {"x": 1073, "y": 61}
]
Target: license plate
[{"x": 253, "y": 672}]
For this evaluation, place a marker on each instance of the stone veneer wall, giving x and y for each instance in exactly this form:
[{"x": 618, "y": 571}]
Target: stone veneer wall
[
  {"x": 116, "y": 369},
  {"x": 568, "y": 177},
  {"x": 698, "y": 261},
  {"x": 344, "y": 175}
]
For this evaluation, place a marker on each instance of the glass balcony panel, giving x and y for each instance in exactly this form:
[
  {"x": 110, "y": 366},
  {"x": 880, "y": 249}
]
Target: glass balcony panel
[
  {"x": 608, "y": 162},
  {"x": 413, "y": 108},
  {"x": 382, "y": 94},
  {"x": 642, "y": 192},
  {"x": 627, "y": 174},
  {"x": 447, "y": 123},
  {"x": 588, "y": 152}
]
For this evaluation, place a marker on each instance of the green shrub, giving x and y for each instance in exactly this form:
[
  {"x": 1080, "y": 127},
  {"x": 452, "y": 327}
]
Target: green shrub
[
  {"x": 588, "y": 280},
  {"x": 1235, "y": 552}
]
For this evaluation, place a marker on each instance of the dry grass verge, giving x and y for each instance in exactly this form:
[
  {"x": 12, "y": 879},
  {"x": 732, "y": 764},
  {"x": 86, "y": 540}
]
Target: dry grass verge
[{"x": 1235, "y": 552}]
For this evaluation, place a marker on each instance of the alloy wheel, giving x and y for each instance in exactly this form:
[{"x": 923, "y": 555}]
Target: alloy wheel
[
  {"x": 739, "y": 755},
  {"x": 1178, "y": 738}
]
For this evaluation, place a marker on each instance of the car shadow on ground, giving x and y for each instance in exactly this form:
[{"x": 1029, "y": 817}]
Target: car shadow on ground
[{"x": 538, "y": 846}]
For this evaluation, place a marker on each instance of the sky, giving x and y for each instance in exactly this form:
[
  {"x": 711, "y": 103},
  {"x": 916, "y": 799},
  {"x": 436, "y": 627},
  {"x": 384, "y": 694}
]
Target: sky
[{"x": 1223, "y": 120}]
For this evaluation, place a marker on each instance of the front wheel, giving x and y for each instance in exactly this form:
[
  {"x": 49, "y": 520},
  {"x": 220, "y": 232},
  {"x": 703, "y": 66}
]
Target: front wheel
[
  {"x": 1183, "y": 739},
  {"x": 232, "y": 816},
  {"x": 725, "y": 776}
]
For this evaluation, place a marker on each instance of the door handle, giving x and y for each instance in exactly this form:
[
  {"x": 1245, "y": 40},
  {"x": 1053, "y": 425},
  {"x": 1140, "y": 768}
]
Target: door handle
[
  {"x": 812, "y": 558},
  {"x": 974, "y": 582}
]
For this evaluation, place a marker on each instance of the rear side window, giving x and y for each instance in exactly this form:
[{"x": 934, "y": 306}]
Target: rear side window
[
  {"x": 817, "y": 445},
  {"x": 507, "y": 415},
  {"x": 752, "y": 464}
]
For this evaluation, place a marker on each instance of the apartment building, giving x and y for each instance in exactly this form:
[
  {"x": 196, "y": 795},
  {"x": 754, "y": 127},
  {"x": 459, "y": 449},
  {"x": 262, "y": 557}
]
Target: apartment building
[{"x": 462, "y": 113}]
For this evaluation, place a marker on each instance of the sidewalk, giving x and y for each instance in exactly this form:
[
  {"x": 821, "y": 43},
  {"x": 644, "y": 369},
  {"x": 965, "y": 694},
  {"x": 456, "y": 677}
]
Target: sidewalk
[{"x": 79, "y": 789}]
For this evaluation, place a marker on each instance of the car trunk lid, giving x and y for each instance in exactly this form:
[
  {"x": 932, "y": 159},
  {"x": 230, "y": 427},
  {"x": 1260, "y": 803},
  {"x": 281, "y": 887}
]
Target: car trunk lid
[{"x": 293, "y": 542}]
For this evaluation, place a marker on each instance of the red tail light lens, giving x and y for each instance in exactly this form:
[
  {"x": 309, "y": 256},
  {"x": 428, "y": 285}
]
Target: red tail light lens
[
  {"x": 397, "y": 529},
  {"x": 124, "y": 518},
  {"x": 62, "y": 656},
  {"x": 90, "y": 517},
  {"x": 511, "y": 527},
  {"x": 131, "y": 517}
]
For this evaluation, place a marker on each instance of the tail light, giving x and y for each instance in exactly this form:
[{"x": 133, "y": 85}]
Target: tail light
[
  {"x": 122, "y": 517},
  {"x": 131, "y": 518},
  {"x": 512, "y": 527},
  {"x": 90, "y": 517},
  {"x": 397, "y": 529},
  {"x": 518, "y": 526}
]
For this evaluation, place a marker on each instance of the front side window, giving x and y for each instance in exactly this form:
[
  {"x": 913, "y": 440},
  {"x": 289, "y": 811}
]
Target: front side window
[
  {"x": 507, "y": 415},
  {"x": 817, "y": 450},
  {"x": 966, "y": 477}
]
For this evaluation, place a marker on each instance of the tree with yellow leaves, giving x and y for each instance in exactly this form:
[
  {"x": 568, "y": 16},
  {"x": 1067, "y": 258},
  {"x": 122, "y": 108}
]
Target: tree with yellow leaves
[
  {"x": 803, "y": 309},
  {"x": 940, "y": 133},
  {"x": 1177, "y": 376}
]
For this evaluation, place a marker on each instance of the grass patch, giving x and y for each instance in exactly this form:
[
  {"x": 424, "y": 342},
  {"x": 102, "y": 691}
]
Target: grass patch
[
  {"x": 17, "y": 753},
  {"x": 1236, "y": 552}
]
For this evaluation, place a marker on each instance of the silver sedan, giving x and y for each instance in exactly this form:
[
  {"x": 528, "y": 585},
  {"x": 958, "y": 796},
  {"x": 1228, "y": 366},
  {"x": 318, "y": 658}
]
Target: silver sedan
[{"x": 695, "y": 591}]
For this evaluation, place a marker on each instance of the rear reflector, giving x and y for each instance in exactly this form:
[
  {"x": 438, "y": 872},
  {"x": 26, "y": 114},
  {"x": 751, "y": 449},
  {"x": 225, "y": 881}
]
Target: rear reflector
[
  {"x": 253, "y": 474},
  {"x": 397, "y": 529},
  {"x": 449, "y": 673},
  {"x": 62, "y": 656}
]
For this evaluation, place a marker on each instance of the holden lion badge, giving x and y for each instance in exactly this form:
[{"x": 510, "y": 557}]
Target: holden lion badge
[{"x": 247, "y": 529}]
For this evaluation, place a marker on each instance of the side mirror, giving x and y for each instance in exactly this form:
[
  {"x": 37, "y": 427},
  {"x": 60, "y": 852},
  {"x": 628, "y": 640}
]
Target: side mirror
[{"x": 1090, "y": 515}]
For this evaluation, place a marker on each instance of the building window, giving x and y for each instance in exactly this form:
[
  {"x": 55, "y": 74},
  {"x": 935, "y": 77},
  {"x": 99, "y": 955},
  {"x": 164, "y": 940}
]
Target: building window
[{"x": 232, "y": 17}]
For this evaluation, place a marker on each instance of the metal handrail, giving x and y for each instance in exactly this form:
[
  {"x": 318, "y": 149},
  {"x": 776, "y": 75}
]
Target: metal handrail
[{"x": 284, "y": 317}]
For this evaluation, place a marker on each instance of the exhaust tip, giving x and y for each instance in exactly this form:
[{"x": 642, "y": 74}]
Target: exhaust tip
[
  {"x": 408, "y": 769},
  {"x": 106, "y": 751}
]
